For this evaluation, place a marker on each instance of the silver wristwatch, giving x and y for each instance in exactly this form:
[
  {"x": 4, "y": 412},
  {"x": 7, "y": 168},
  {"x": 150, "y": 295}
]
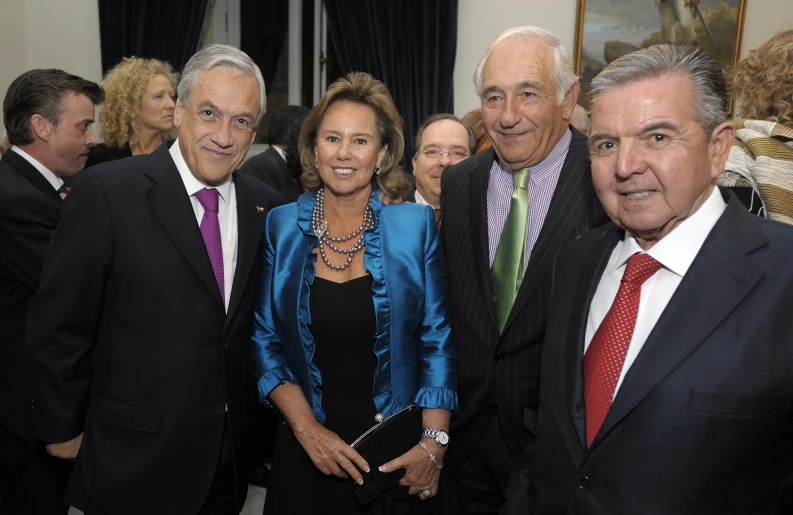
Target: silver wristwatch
[{"x": 440, "y": 436}]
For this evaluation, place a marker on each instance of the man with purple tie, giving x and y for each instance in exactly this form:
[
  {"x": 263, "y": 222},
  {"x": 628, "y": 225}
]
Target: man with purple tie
[{"x": 139, "y": 334}]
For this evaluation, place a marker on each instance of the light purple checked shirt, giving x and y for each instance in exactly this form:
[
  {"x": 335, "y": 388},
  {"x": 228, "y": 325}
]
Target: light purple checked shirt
[{"x": 542, "y": 183}]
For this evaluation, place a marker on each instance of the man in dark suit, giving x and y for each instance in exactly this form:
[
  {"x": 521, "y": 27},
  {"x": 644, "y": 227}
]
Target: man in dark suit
[
  {"x": 48, "y": 116},
  {"x": 507, "y": 211},
  {"x": 441, "y": 141},
  {"x": 270, "y": 166},
  {"x": 665, "y": 379},
  {"x": 140, "y": 332}
]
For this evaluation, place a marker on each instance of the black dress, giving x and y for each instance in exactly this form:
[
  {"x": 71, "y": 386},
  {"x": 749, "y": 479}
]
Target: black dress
[{"x": 343, "y": 325}]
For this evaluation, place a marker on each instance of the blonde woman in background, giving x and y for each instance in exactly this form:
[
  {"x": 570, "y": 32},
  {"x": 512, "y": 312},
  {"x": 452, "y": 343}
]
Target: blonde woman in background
[
  {"x": 137, "y": 115},
  {"x": 760, "y": 167}
]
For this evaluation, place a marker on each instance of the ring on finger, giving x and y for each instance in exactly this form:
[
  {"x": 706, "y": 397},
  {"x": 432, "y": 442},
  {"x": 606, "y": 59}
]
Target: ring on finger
[{"x": 426, "y": 493}]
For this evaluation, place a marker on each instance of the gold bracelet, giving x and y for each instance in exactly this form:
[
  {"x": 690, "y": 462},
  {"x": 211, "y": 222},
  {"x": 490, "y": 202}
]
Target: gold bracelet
[{"x": 432, "y": 456}]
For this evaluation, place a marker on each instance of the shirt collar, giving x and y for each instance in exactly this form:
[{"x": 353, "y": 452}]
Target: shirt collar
[
  {"x": 55, "y": 181},
  {"x": 281, "y": 152},
  {"x": 552, "y": 163},
  {"x": 191, "y": 184},
  {"x": 677, "y": 250},
  {"x": 421, "y": 200}
]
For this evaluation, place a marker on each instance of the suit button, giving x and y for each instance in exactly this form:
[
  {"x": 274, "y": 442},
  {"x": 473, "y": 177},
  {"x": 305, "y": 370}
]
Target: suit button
[
  {"x": 499, "y": 357},
  {"x": 220, "y": 407},
  {"x": 584, "y": 483},
  {"x": 491, "y": 405}
]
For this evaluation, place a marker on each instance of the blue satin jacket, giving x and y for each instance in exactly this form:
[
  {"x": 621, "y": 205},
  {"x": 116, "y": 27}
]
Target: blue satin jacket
[{"x": 416, "y": 355}]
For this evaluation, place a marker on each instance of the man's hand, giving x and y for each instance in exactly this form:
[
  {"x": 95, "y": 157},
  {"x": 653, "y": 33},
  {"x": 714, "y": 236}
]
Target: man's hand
[
  {"x": 66, "y": 450},
  {"x": 387, "y": 201}
]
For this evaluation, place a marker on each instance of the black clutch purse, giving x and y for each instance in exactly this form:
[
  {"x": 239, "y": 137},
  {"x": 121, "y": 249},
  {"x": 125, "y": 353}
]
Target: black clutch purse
[{"x": 389, "y": 439}]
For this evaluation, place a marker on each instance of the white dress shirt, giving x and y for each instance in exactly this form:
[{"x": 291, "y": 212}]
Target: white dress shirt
[
  {"x": 675, "y": 251},
  {"x": 227, "y": 215},
  {"x": 281, "y": 152},
  {"x": 53, "y": 179},
  {"x": 422, "y": 200}
]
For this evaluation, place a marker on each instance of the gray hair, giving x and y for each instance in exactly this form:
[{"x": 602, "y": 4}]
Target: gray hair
[
  {"x": 669, "y": 59},
  {"x": 563, "y": 75},
  {"x": 226, "y": 56}
]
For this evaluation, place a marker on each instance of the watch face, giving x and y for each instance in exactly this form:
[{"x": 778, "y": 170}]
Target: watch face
[{"x": 442, "y": 438}]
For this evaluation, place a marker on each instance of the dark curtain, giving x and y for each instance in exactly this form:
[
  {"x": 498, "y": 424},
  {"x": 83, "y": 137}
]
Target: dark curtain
[
  {"x": 410, "y": 45},
  {"x": 168, "y": 30}
]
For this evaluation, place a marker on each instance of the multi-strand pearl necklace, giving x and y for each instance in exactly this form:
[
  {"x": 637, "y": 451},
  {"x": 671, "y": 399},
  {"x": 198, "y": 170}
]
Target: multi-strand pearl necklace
[{"x": 320, "y": 227}]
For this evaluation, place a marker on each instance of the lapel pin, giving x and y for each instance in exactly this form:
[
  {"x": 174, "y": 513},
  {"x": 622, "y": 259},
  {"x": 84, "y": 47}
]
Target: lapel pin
[{"x": 259, "y": 209}]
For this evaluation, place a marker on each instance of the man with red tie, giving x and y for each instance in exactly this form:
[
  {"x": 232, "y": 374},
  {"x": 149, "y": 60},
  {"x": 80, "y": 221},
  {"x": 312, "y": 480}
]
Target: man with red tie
[
  {"x": 666, "y": 382},
  {"x": 140, "y": 331}
]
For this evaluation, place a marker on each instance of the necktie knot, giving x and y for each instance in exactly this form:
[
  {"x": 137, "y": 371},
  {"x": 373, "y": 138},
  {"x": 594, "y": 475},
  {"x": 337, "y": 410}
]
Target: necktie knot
[
  {"x": 520, "y": 178},
  {"x": 208, "y": 197},
  {"x": 640, "y": 267}
]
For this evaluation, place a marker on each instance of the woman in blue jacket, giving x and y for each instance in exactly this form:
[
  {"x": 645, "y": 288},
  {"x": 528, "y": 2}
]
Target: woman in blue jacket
[{"x": 352, "y": 317}]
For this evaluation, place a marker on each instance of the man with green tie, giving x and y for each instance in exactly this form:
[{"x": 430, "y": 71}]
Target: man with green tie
[{"x": 507, "y": 211}]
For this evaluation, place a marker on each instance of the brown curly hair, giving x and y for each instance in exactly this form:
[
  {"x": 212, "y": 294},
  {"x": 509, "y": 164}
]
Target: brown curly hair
[
  {"x": 124, "y": 86},
  {"x": 763, "y": 80},
  {"x": 360, "y": 88}
]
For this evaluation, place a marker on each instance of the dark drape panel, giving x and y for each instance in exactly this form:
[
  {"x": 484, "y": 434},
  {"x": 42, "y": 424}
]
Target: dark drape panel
[
  {"x": 168, "y": 30},
  {"x": 410, "y": 45}
]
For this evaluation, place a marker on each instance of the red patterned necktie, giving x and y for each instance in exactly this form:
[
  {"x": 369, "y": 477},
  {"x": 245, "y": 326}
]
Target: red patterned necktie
[
  {"x": 606, "y": 353},
  {"x": 210, "y": 230}
]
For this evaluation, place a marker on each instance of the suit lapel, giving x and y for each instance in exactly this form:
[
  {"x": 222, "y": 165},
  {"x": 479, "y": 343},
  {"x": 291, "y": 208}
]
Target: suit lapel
[
  {"x": 250, "y": 224},
  {"x": 570, "y": 198},
  {"x": 718, "y": 280},
  {"x": 32, "y": 175},
  {"x": 593, "y": 262},
  {"x": 171, "y": 205},
  {"x": 480, "y": 178}
]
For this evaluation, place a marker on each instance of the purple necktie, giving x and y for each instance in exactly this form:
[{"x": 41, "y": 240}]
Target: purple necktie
[{"x": 210, "y": 230}]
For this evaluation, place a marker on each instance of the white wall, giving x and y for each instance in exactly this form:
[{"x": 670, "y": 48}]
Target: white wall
[
  {"x": 480, "y": 21},
  {"x": 49, "y": 34}
]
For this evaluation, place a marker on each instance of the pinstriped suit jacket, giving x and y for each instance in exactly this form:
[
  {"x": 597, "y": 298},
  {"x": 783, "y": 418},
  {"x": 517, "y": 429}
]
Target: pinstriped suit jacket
[{"x": 501, "y": 372}]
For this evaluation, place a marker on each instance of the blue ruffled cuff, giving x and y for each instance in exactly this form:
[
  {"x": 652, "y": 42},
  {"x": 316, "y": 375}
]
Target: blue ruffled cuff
[
  {"x": 437, "y": 397},
  {"x": 272, "y": 378}
]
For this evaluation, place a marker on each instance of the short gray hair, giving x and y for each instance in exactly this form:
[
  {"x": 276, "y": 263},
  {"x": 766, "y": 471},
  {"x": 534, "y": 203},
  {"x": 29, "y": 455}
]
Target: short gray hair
[
  {"x": 670, "y": 59},
  {"x": 563, "y": 75},
  {"x": 226, "y": 56}
]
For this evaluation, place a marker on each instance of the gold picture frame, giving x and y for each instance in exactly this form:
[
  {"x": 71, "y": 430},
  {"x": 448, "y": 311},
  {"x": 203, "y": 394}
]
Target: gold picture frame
[{"x": 606, "y": 29}]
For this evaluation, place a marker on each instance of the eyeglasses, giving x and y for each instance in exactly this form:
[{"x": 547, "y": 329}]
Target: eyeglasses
[{"x": 434, "y": 153}]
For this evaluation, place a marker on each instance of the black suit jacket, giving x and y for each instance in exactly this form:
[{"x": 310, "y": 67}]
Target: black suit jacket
[
  {"x": 702, "y": 423},
  {"x": 498, "y": 373},
  {"x": 131, "y": 343},
  {"x": 29, "y": 213},
  {"x": 270, "y": 168}
]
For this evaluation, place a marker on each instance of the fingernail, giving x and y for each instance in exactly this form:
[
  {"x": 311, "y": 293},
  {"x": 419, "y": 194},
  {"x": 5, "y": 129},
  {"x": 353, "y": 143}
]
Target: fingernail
[
  {"x": 360, "y": 481},
  {"x": 367, "y": 469},
  {"x": 382, "y": 468}
]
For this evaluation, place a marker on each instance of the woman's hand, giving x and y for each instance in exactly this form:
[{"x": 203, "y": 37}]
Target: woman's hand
[
  {"x": 422, "y": 474},
  {"x": 330, "y": 454}
]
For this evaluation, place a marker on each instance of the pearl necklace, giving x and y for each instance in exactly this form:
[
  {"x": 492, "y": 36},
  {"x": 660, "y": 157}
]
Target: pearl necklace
[{"x": 319, "y": 226}]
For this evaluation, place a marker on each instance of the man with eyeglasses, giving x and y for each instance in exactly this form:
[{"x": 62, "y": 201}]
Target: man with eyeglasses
[
  {"x": 507, "y": 211},
  {"x": 441, "y": 141}
]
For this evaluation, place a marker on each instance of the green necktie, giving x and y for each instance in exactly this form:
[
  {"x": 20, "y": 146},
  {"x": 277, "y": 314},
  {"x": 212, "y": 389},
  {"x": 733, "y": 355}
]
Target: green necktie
[{"x": 510, "y": 261}]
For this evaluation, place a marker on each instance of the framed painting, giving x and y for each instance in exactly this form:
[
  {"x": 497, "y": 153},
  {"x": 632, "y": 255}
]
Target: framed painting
[{"x": 608, "y": 29}]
